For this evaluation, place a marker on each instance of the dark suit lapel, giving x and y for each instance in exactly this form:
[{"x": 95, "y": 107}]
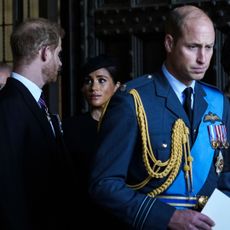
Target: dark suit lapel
[
  {"x": 173, "y": 104},
  {"x": 200, "y": 105},
  {"x": 33, "y": 106}
]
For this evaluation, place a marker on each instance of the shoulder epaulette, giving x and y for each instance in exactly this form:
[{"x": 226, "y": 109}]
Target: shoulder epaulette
[{"x": 136, "y": 83}]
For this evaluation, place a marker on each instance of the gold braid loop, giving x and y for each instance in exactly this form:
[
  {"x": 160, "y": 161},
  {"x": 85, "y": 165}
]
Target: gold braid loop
[{"x": 154, "y": 167}]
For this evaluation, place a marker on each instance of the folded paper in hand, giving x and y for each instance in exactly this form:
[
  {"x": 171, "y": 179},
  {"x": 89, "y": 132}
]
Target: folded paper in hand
[{"x": 217, "y": 208}]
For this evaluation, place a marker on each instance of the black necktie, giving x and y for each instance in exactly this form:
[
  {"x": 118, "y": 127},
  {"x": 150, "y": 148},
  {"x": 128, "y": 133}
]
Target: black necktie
[{"x": 188, "y": 102}]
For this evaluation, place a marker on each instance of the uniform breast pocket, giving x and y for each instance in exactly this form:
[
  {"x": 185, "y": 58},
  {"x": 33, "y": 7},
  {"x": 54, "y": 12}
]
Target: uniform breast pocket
[{"x": 161, "y": 146}]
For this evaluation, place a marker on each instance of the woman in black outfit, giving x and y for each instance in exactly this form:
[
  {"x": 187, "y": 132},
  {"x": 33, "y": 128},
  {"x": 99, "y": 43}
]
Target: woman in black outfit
[{"x": 100, "y": 82}]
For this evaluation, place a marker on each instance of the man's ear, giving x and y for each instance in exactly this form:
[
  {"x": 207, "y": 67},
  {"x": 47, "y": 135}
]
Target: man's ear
[
  {"x": 44, "y": 53},
  {"x": 169, "y": 42}
]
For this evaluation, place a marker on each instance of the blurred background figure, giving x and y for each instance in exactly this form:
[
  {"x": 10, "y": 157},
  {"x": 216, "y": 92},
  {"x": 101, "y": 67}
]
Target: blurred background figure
[
  {"x": 5, "y": 71},
  {"x": 100, "y": 81}
]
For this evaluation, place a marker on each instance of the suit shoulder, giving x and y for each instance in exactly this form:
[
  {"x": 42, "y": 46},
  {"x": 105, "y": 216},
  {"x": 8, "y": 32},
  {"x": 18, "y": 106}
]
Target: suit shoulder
[
  {"x": 210, "y": 87},
  {"x": 136, "y": 83}
]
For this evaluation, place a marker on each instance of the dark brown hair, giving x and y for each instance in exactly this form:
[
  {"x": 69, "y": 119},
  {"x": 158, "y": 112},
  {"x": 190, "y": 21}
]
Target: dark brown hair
[{"x": 31, "y": 35}]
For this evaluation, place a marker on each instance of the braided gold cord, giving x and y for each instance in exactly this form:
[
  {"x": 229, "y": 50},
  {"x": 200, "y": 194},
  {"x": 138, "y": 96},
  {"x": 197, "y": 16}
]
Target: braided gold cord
[{"x": 156, "y": 168}]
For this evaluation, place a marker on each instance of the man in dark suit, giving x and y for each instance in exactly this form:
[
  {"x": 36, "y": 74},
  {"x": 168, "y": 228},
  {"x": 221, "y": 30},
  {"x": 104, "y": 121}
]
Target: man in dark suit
[
  {"x": 144, "y": 171},
  {"x": 33, "y": 161}
]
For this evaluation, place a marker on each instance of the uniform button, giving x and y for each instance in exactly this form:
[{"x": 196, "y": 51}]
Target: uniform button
[
  {"x": 149, "y": 76},
  {"x": 164, "y": 145},
  {"x": 194, "y": 131}
]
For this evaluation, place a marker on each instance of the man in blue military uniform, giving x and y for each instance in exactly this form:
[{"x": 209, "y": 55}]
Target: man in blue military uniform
[{"x": 155, "y": 168}]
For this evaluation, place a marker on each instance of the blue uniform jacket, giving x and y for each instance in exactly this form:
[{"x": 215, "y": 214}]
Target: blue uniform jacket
[{"x": 118, "y": 160}]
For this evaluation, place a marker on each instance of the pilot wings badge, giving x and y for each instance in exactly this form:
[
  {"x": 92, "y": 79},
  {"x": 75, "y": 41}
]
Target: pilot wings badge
[{"x": 211, "y": 117}]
